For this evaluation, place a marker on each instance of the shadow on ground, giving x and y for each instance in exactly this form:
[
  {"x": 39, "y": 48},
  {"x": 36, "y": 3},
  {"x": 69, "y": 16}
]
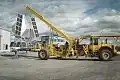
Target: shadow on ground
[{"x": 36, "y": 58}]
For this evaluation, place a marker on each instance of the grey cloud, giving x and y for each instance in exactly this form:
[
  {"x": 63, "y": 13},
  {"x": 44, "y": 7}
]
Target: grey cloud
[
  {"x": 111, "y": 24},
  {"x": 108, "y": 25},
  {"x": 71, "y": 16}
]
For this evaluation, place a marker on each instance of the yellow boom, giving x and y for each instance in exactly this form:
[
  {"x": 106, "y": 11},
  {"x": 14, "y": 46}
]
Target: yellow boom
[{"x": 68, "y": 38}]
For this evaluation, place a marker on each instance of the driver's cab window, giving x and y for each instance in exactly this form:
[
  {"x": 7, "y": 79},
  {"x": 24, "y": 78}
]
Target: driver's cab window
[
  {"x": 23, "y": 44},
  {"x": 12, "y": 44},
  {"x": 37, "y": 45},
  {"x": 93, "y": 41},
  {"x": 18, "y": 44}
]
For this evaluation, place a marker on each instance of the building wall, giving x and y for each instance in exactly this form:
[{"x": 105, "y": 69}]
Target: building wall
[{"x": 5, "y": 40}]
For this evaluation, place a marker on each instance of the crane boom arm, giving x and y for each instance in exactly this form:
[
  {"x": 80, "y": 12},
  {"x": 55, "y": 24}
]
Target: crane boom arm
[{"x": 49, "y": 24}]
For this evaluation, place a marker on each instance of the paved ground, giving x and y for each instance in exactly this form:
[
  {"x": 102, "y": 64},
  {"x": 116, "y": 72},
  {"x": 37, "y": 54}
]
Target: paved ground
[{"x": 31, "y": 68}]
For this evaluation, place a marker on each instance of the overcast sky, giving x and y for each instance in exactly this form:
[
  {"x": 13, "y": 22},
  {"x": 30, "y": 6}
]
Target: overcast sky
[{"x": 76, "y": 17}]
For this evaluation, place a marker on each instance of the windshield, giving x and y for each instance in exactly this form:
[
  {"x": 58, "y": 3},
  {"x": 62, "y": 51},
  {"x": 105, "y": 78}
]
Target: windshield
[
  {"x": 12, "y": 44},
  {"x": 45, "y": 38},
  {"x": 18, "y": 44}
]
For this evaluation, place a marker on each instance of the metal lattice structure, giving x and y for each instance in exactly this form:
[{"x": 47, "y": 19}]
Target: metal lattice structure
[
  {"x": 18, "y": 25},
  {"x": 34, "y": 27}
]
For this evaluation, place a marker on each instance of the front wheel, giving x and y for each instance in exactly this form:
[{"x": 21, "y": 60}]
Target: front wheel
[
  {"x": 43, "y": 55},
  {"x": 105, "y": 55}
]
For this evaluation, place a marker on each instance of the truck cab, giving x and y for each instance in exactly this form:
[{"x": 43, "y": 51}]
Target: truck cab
[{"x": 102, "y": 46}]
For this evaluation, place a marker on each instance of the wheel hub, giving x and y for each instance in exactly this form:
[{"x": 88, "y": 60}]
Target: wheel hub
[
  {"x": 42, "y": 54},
  {"x": 106, "y": 55}
]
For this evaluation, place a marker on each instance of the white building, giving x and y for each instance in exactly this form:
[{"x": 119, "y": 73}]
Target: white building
[{"x": 4, "y": 40}]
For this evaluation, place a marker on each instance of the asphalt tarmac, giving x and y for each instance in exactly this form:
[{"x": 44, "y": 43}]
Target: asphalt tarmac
[{"x": 29, "y": 67}]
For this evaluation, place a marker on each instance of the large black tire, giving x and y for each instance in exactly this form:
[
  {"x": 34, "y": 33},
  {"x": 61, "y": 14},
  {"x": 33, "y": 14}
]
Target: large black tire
[
  {"x": 43, "y": 55},
  {"x": 105, "y": 55}
]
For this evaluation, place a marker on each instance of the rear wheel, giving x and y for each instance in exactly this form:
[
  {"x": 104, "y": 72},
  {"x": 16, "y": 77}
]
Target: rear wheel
[
  {"x": 105, "y": 55},
  {"x": 43, "y": 55}
]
